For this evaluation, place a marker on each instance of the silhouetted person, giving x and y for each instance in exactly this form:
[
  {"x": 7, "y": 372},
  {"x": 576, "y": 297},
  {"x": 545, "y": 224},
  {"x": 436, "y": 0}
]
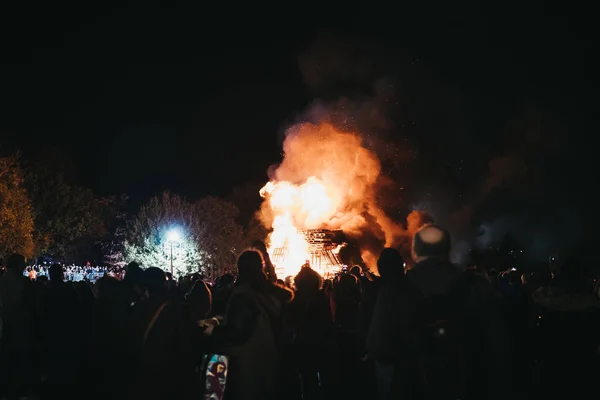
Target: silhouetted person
[
  {"x": 383, "y": 346},
  {"x": 112, "y": 349},
  {"x": 476, "y": 333},
  {"x": 452, "y": 340},
  {"x": 269, "y": 268},
  {"x": 357, "y": 272},
  {"x": 370, "y": 286},
  {"x": 310, "y": 320},
  {"x": 133, "y": 282},
  {"x": 347, "y": 298},
  {"x": 252, "y": 332},
  {"x": 162, "y": 338},
  {"x": 221, "y": 294},
  {"x": 17, "y": 347},
  {"x": 199, "y": 302},
  {"x": 431, "y": 252},
  {"x": 86, "y": 318},
  {"x": 62, "y": 333}
]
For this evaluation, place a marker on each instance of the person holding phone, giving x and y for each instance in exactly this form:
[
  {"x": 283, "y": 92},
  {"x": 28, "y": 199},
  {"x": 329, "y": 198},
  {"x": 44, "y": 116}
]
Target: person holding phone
[{"x": 252, "y": 331}]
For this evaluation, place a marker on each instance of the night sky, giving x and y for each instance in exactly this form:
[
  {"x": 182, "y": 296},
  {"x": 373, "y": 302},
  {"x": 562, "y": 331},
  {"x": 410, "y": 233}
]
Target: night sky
[{"x": 480, "y": 115}]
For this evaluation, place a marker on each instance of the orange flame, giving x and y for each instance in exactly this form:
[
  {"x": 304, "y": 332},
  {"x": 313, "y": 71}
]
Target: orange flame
[{"x": 326, "y": 181}]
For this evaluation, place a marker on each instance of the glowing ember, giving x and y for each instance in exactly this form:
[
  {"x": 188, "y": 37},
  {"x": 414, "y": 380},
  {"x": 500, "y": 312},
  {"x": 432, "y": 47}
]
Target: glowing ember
[{"x": 325, "y": 182}]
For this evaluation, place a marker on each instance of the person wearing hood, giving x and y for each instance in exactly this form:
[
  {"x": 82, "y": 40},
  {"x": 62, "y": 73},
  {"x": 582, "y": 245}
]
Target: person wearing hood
[
  {"x": 252, "y": 331},
  {"x": 409, "y": 304}
]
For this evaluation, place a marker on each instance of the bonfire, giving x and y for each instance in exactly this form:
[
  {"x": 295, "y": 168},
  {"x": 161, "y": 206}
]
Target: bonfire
[{"x": 325, "y": 183}]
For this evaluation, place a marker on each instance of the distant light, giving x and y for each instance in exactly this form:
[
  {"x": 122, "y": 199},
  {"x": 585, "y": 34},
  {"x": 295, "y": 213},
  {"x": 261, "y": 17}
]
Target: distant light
[{"x": 173, "y": 235}]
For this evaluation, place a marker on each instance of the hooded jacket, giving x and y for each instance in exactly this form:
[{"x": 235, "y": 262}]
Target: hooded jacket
[{"x": 252, "y": 335}]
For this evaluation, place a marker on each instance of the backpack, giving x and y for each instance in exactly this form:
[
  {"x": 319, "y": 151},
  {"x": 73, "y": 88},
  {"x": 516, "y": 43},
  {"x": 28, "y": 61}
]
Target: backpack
[{"x": 441, "y": 344}]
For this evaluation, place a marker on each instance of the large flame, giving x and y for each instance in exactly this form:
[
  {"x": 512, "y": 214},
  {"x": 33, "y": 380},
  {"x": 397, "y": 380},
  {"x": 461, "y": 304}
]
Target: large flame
[{"x": 326, "y": 181}]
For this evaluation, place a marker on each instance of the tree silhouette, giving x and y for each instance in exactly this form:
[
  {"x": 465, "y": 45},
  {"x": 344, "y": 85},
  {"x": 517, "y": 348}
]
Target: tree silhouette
[
  {"x": 16, "y": 218},
  {"x": 220, "y": 237},
  {"x": 69, "y": 219}
]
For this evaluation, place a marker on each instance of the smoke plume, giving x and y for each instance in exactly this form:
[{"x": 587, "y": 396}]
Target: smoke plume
[
  {"x": 344, "y": 166},
  {"x": 418, "y": 149},
  {"x": 477, "y": 165}
]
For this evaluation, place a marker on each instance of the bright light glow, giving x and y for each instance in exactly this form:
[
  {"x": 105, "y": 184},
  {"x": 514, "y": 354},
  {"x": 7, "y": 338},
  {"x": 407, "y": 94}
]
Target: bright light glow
[{"x": 173, "y": 235}]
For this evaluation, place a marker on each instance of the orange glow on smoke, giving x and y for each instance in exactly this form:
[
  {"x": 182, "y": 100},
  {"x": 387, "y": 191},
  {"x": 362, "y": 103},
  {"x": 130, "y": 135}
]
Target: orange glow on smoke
[{"x": 326, "y": 181}]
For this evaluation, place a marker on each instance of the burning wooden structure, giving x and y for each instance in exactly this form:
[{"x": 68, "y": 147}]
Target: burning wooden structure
[{"x": 322, "y": 253}]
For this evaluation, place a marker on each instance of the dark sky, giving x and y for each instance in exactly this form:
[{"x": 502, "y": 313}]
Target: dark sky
[{"x": 460, "y": 102}]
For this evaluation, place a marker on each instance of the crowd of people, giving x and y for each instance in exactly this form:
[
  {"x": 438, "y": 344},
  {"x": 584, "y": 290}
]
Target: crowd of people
[
  {"x": 432, "y": 332},
  {"x": 74, "y": 273}
]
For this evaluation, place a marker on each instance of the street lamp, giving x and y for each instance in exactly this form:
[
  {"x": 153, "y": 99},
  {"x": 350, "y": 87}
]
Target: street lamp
[{"x": 172, "y": 236}]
